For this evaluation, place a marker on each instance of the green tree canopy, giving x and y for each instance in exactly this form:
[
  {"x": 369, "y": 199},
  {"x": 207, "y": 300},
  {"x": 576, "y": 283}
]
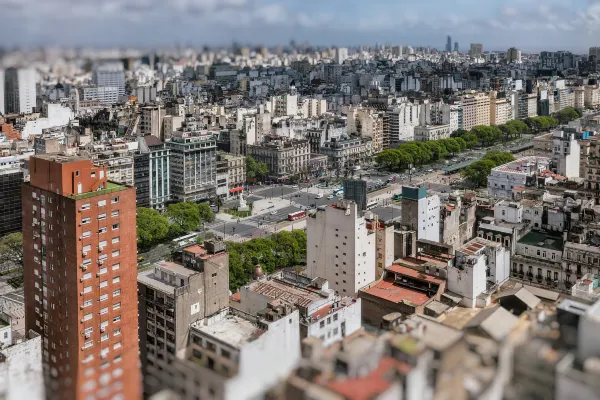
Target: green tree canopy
[
  {"x": 184, "y": 215},
  {"x": 499, "y": 157},
  {"x": 478, "y": 172},
  {"x": 11, "y": 248},
  {"x": 152, "y": 227},
  {"x": 388, "y": 159},
  {"x": 255, "y": 170},
  {"x": 206, "y": 213}
]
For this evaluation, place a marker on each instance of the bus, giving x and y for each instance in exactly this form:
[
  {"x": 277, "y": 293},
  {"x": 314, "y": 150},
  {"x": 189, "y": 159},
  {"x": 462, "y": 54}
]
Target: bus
[
  {"x": 184, "y": 241},
  {"x": 296, "y": 215},
  {"x": 371, "y": 204},
  {"x": 336, "y": 191}
]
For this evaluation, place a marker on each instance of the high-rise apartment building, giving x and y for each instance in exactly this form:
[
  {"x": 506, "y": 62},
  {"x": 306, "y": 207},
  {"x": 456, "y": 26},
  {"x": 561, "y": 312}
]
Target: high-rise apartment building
[
  {"x": 475, "y": 110},
  {"x": 513, "y": 55},
  {"x": 193, "y": 165},
  {"x": 19, "y": 90},
  {"x": 11, "y": 179},
  {"x": 595, "y": 52},
  {"x": 80, "y": 263},
  {"x": 421, "y": 212},
  {"x": 151, "y": 121},
  {"x": 340, "y": 248},
  {"x": 476, "y": 50},
  {"x": 449, "y": 43},
  {"x": 110, "y": 75}
]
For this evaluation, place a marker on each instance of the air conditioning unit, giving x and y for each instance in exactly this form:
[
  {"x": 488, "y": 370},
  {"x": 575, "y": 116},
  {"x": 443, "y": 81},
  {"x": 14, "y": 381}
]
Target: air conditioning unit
[
  {"x": 102, "y": 329},
  {"x": 84, "y": 254},
  {"x": 100, "y": 262}
]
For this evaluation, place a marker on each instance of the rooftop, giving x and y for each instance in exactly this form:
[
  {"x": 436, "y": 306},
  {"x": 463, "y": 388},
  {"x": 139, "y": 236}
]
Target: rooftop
[
  {"x": 413, "y": 274},
  {"x": 232, "y": 330},
  {"x": 387, "y": 290},
  {"x": 279, "y": 289},
  {"x": 110, "y": 188},
  {"x": 543, "y": 239},
  {"x": 495, "y": 322}
]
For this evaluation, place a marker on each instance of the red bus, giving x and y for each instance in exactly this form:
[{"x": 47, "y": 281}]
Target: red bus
[{"x": 296, "y": 215}]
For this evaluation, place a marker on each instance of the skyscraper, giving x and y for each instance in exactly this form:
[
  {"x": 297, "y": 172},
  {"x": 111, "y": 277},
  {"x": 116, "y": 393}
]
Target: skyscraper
[
  {"x": 456, "y": 47},
  {"x": 110, "y": 75},
  {"x": 449, "y": 44},
  {"x": 80, "y": 262},
  {"x": 19, "y": 90}
]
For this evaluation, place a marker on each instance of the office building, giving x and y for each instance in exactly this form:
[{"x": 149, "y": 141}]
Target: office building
[
  {"x": 341, "y": 54},
  {"x": 80, "y": 274},
  {"x": 145, "y": 94},
  {"x": 500, "y": 110},
  {"x": 421, "y": 212},
  {"x": 193, "y": 165},
  {"x": 356, "y": 191},
  {"x": 236, "y": 169},
  {"x": 152, "y": 173},
  {"x": 432, "y": 132},
  {"x": 399, "y": 123},
  {"x": 449, "y": 44},
  {"x": 513, "y": 55},
  {"x": 476, "y": 50},
  {"x": 11, "y": 179},
  {"x": 110, "y": 75},
  {"x": 171, "y": 297},
  {"x": 340, "y": 248},
  {"x": 456, "y": 47},
  {"x": 285, "y": 157},
  {"x": 102, "y": 94},
  {"x": 20, "y": 90},
  {"x": 347, "y": 152}
]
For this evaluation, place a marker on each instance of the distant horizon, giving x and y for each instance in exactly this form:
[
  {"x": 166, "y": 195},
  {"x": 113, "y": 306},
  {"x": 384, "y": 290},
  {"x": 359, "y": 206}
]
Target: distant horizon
[{"x": 531, "y": 26}]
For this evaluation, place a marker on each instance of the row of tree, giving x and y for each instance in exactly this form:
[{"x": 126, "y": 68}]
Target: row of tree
[
  {"x": 420, "y": 153},
  {"x": 179, "y": 219},
  {"x": 479, "y": 171},
  {"x": 280, "y": 250}
]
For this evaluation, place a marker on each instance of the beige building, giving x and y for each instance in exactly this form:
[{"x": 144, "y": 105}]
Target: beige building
[
  {"x": 370, "y": 124},
  {"x": 500, "y": 110},
  {"x": 236, "y": 169},
  {"x": 432, "y": 132},
  {"x": 284, "y": 157},
  {"x": 592, "y": 96},
  {"x": 171, "y": 123},
  {"x": 579, "y": 97},
  {"x": 151, "y": 121},
  {"x": 476, "y": 110}
]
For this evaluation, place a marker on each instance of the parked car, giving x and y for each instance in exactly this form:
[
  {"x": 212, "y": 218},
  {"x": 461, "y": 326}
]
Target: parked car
[
  {"x": 330, "y": 197},
  {"x": 319, "y": 196}
]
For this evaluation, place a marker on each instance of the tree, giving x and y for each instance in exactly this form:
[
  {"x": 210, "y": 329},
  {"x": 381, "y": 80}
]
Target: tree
[
  {"x": 388, "y": 159},
  {"x": 487, "y": 135},
  {"x": 498, "y": 157},
  {"x": 478, "y": 172},
  {"x": 206, "y": 213},
  {"x": 255, "y": 170},
  {"x": 11, "y": 248},
  {"x": 451, "y": 145},
  {"x": 461, "y": 143},
  {"x": 152, "y": 227},
  {"x": 185, "y": 215},
  {"x": 566, "y": 114}
]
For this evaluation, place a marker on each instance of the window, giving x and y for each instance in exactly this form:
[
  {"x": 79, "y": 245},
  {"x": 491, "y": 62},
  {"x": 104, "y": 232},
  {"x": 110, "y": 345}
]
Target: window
[
  {"x": 102, "y": 216},
  {"x": 103, "y": 284},
  {"x": 114, "y": 200},
  {"x": 116, "y": 240},
  {"x": 104, "y": 297},
  {"x": 335, "y": 317},
  {"x": 87, "y": 275},
  {"x": 85, "y": 221},
  {"x": 87, "y": 303},
  {"x": 88, "y": 344},
  {"x": 322, "y": 324},
  {"x": 104, "y": 311},
  {"x": 87, "y": 289},
  {"x": 117, "y": 346},
  {"x": 116, "y": 279},
  {"x": 103, "y": 270},
  {"x": 117, "y": 292},
  {"x": 87, "y": 248},
  {"x": 86, "y": 234},
  {"x": 87, "y": 317},
  {"x": 328, "y": 320},
  {"x": 116, "y": 253},
  {"x": 85, "y": 206},
  {"x": 116, "y": 266},
  {"x": 115, "y": 227},
  {"x": 114, "y": 213},
  {"x": 117, "y": 318},
  {"x": 117, "y": 332},
  {"x": 104, "y": 337},
  {"x": 118, "y": 359},
  {"x": 101, "y": 203},
  {"x": 116, "y": 306}
]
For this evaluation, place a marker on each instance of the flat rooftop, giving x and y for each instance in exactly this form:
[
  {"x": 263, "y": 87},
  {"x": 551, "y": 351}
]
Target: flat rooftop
[
  {"x": 543, "y": 239},
  {"x": 387, "y": 290},
  {"x": 110, "y": 188},
  {"x": 232, "y": 330},
  {"x": 413, "y": 274},
  {"x": 279, "y": 289}
]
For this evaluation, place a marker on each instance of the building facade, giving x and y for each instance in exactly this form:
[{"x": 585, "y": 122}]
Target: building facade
[
  {"x": 11, "y": 179},
  {"x": 432, "y": 132},
  {"x": 19, "y": 90},
  {"x": 421, "y": 212},
  {"x": 285, "y": 158},
  {"x": 80, "y": 271}
]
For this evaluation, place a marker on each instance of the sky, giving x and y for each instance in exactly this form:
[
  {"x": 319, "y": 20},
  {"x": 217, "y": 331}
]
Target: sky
[{"x": 530, "y": 25}]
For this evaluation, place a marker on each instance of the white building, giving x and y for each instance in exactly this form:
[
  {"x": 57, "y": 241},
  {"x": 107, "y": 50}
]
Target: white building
[
  {"x": 283, "y": 106},
  {"x": 508, "y": 211},
  {"x": 516, "y": 174},
  {"x": 421, "y": 212},
  {"x": 341, "y": 55},
  {"x": 110, "y": 75},
  {"x": 432, "y": 132},
  {"x": 566, "y": 153},
  {"x": 467, "y": 277},
  {"x": 323, "y": 314},
  {"x": 340, "y": 248},
  {"x": 57, "y": 116},
  {"x": 20, "y": 90},
  {"x": 399, "y": 123}
]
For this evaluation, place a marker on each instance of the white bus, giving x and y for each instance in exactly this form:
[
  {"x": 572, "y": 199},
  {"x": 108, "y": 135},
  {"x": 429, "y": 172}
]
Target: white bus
[
  {"x": 184, "y": 241},
  {"x": 371, "y": 204}
]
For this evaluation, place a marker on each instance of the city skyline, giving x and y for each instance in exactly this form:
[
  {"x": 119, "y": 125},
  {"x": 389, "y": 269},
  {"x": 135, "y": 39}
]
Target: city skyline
[{"x": 553, "y": 25}]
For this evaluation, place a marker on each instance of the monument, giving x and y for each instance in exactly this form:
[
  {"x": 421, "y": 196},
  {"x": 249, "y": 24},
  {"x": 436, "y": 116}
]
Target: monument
[{"x": 242, "y": 205}]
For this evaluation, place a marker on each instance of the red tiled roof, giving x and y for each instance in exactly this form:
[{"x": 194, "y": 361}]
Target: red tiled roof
[
  {"x": 370, "y": 386},
  {"x": 320, "y": 313},
  {"x": 237, "y": 297},
  {"x": 386, "y": 290},
  {"x": 413, "y": 274},
  {"x": 196, "y": 249}
]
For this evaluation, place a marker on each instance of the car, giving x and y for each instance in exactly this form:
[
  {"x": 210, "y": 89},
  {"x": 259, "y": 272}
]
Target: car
[
  {"x": 319, "y": 196},
  {"x": 294, "y": 186},
  {"x": 429, "y": 170},
  {"x": 273, "y": 213},
  {"x": 330, "y": 197}
]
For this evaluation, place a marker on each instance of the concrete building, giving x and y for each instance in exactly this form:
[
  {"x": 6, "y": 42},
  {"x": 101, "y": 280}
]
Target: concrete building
[
  {"x": 145, "y": 94},
  {"x": 236, "y": 169},
  {"x": 457, "y": 220},
  {"x": 193, "y": 167},
  {"x": 102, "y": 94},
  {"x": 399, "y": 123},
  {"x": 171, "y": 297},
  {"x": 152, "y": 172},
  {"x": 521, "y": 173},
  {"x": 110, "y": 74},
  {"x": 323, "y": 314},
  {"x": 421, "y": 212},
  {"x": 285, "y": 158},
  {"x": 21, "y": 368},
  {"x": 341, "y": 55},
  {"x": 171, "y": 124},
  {"x": 283, "y": 106},
  {"x": 20, "y": 96},
  {"x": 468, "y": 276},
  {"x": 371, "y": 125},
  {"x": 118, "y": 161},
  {"x": 476, "y": 50},
  {"x": 500, "y": 110},
  {"x": 513, "y": 55},
  {"x": 80, "y": 244},
  {"x": 538, "y": 259},
  {"x": 524, "y": 105},
  {"x": 475, "y": 110},
  {"x": 566, "y": 156},
  {"x": 347, "y": 152},
  {"x": 11, "y": 179},
  {"x": 151, "y": 121},
  {"x": 591, "y": 96},
  {"x": 432, "y": 132},
  {"x": 340, "y": 248}
]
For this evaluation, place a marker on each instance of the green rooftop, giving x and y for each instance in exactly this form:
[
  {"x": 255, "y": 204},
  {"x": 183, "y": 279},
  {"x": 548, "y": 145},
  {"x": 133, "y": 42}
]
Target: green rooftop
[
  {"x": 110, "y": 188},
  {"x": 544, "y": 240}
]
